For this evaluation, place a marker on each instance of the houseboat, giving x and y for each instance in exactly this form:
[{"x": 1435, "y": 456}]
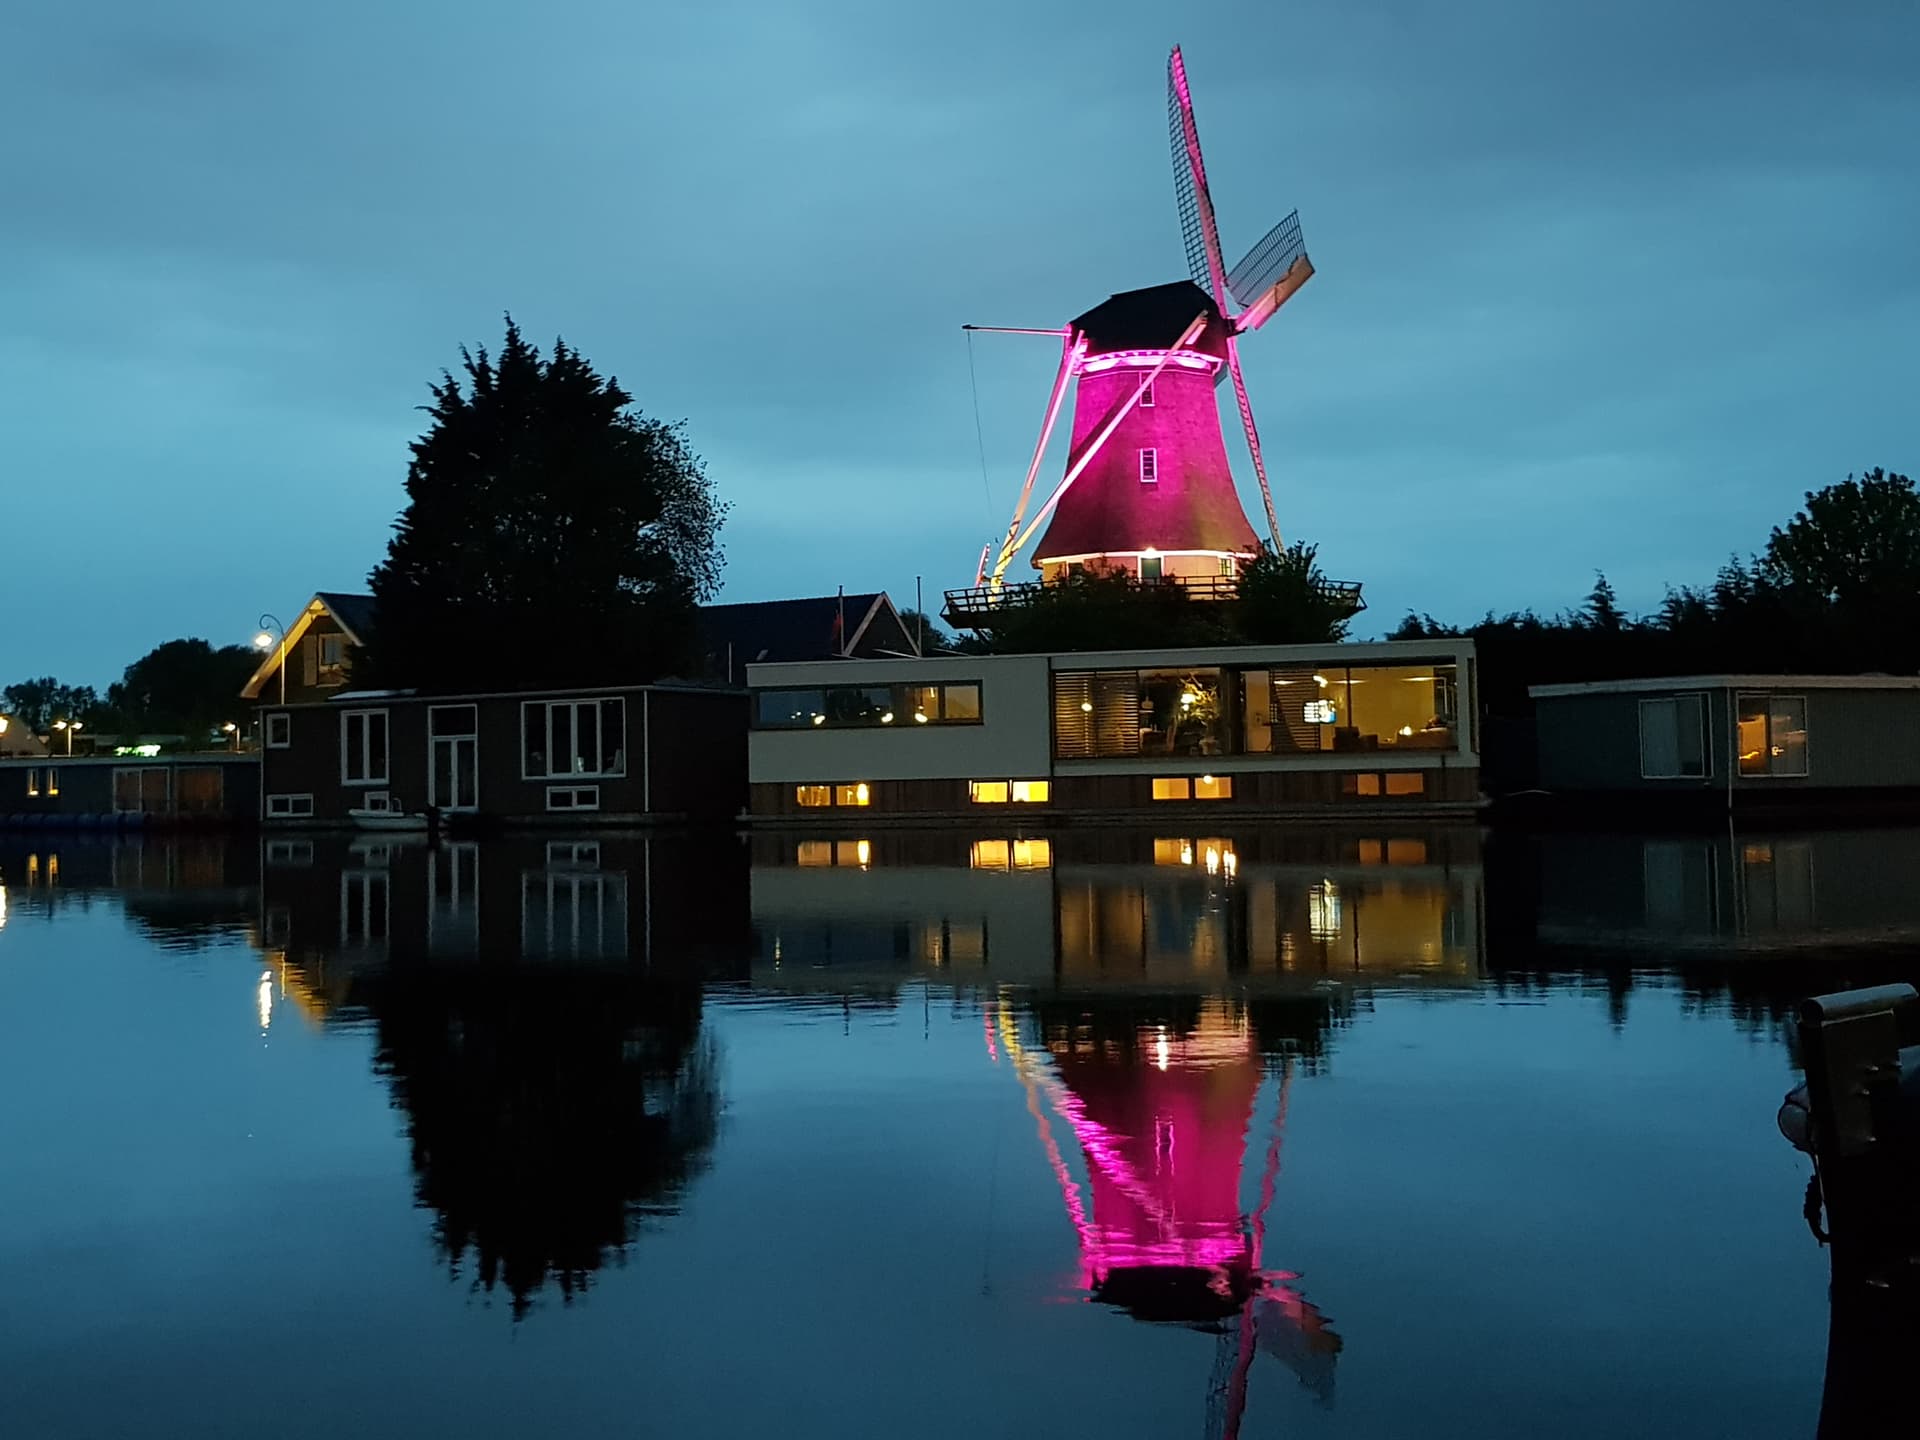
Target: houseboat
[
  {"x": 1321, "y": 730},
  {"x": 1709, "y": 744}
]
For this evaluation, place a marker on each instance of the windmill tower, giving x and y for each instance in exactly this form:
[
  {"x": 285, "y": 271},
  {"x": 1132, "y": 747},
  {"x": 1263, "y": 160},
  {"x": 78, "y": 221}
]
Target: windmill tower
[{"x": 1147, "y": 487}]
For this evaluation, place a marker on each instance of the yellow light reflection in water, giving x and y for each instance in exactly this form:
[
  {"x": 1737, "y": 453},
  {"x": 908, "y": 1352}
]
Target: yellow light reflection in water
[{"x": 264, "y": 999}]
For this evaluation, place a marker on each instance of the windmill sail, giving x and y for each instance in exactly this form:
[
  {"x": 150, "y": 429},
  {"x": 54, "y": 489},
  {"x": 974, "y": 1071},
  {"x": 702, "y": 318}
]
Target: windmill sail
[
  {"x": 1269, "y": 273},
  {"x": 1186, "y": 197}
]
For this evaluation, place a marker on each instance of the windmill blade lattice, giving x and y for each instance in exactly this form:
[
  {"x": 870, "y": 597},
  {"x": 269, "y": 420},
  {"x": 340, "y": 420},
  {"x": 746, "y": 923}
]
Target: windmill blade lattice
[{"x": 1269, "y": 259}]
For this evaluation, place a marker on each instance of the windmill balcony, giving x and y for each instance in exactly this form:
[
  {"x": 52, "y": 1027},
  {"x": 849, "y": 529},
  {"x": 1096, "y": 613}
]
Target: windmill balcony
[{"x": 969, "y": 606}]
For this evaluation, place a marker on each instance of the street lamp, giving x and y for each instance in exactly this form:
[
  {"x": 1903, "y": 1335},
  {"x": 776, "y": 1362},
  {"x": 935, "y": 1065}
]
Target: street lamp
[
  {"x": 264, "y": 641},
  {"x": 233, "y": 730},
  {"x": 72, "y": 727}
]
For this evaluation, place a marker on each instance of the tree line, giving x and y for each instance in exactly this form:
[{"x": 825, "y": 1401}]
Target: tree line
[
  {"x": 1835, "y": 591},
  {"x": 184, "y": 687}
]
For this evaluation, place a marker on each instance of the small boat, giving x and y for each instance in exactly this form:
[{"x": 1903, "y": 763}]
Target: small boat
[{"x": 387, "y": 820}]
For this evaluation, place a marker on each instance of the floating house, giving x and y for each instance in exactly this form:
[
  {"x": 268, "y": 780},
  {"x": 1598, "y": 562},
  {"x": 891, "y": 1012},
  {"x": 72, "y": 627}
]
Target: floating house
[
  {"x": 209, "y": 788},
  {"x": 1323, "y": 730},
  {"x": 1710, "y": 743}
]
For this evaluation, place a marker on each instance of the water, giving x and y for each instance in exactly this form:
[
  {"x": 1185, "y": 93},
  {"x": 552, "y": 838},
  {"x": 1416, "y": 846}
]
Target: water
[{"x": 1301, "y": 1133}]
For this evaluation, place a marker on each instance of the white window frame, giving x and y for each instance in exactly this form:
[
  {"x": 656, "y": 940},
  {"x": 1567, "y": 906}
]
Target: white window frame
[
  {"x": 283, "y": 721},
  {"x": 338, "y": 644},
  {"x": 346, "y": 728},
  {"x": 574, "y": 705},
  {"x": 1699, "y": 700},
  {"x": 380, "y": 802},
  {"x": 289, "y": 807},
  {"x": 1767, "y": 699},
  {"x": 574, "y": 794},
  {"x": 1149, "y": 465},
  {"x": 1146, "y": 397}
]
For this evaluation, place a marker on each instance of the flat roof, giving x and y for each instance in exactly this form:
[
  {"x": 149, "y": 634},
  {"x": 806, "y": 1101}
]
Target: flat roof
[
  {"x": 1331, "y": 652},
  {"x": 1727, "y": 682}
]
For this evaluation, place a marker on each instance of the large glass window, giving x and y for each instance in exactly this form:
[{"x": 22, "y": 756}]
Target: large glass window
[
  {"x": 1772, "y": 735},
  {"x": 861, "y": 706},
  {"x": 1102, "y": 713},
  {"x": 1673, "y": 737},
  {"x": 573, "y": 737}
]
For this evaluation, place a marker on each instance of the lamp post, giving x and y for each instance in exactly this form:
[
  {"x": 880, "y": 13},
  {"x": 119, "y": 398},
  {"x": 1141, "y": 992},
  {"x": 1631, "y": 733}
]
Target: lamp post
[
  {"x": 233, "y": 730},
  {"x": 264, "y": 641},
  {"x": 72, "y": 727}
]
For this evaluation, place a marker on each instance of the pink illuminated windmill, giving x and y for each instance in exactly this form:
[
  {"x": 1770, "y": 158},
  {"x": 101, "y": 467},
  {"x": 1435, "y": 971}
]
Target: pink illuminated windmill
[{"x": 1147, "y": 486}]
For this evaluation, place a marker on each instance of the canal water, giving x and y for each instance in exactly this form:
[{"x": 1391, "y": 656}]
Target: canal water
[{"x": 1276, "y": 1132}]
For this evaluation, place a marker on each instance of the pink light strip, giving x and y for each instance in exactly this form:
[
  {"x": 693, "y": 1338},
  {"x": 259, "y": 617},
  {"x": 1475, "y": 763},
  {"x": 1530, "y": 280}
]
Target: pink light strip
[{"x": 1141, "y": 359}]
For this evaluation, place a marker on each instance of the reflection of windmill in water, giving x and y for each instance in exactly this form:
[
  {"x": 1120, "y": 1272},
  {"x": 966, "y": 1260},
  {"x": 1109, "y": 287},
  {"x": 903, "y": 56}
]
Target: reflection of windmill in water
[{"x": 1163, "y": 1114}]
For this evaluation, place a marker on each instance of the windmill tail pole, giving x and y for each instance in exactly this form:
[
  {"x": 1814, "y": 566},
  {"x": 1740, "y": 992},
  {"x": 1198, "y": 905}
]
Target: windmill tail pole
[
  {"x": 1101, "y": 437},
  {"x": 1253, "y": 440},
  {"x": 1069, "y": 355}
]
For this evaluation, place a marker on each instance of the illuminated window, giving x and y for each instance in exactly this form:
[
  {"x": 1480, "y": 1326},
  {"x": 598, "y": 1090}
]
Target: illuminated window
[
  {"x": 813, "y": 853},
  {"x": 999, "y": 792},
  {"x": 1407, "y": 782},
  {"x": 1360, "y": 784},
  {"x": 813, "y": 796},
  {"x": 1149, "y": 466},
  {"x": 279, "y": 730},
  {"x": 857, "y": 794},
  {"x": 853, "y": 852},
  {"x": 1673, "y": 738},
  {"x": 1173, "y": 852},
  {"x": 1406, "y": 852},
  {"x": 960, "y": 703},
  {"x": 1178, "y": 787},
  {"x": 1226, "y": 567},
  {"x": 33, "y": 782},
  {"x": 1146, "y": 397},
  {"x": 1213, "y": 787},
  {"x": 1773, "y": 735}
]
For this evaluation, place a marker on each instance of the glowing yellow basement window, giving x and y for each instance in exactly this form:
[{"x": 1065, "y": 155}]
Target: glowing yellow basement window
[
  {"x": 813, "y": 795},
  {"x": 1000, "y": 792},
  {"x": 855, "y": 794},
  {"x": 1177, "y": 787},
  {"x": 1213, "y": 787}
]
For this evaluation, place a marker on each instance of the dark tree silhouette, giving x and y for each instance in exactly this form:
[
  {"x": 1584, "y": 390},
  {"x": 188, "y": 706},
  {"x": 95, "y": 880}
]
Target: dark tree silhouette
[
  {"x": 1602, "y": 610},
  {"x": 184, "y": 687},
  {"x": 1285, "y": 600},
  {"x": 552, "y": 534},
  {"x": 38, "y": 703}
]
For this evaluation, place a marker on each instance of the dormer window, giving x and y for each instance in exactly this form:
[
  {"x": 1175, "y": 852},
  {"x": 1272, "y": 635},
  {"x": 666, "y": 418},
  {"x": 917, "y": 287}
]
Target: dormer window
[{"x": 1149, "y": 467}]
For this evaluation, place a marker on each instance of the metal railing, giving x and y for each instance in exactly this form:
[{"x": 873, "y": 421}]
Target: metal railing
[{"x": 981, "y": 601}]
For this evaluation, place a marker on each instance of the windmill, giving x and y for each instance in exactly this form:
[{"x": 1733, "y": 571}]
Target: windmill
[{"x": 1147, "y": 486}]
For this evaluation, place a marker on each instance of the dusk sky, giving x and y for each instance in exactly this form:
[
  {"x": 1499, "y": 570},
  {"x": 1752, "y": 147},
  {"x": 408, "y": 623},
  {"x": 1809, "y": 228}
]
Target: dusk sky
[{"x": 1599, "y": 285}]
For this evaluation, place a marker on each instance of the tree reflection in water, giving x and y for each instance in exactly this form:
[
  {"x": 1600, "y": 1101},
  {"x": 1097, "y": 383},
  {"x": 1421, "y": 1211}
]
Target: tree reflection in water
[{"x": 549, "y": 1114}]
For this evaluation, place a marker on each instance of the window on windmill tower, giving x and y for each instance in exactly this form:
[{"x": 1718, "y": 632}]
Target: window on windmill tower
[
  {"x": 1146, "y": 397},
  {"x": 1149, "y": 467}
]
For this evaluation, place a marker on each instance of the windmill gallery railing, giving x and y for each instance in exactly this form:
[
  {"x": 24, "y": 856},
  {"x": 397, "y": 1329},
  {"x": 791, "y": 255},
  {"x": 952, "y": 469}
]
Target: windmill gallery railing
[{"x": 978, "y": 605}]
